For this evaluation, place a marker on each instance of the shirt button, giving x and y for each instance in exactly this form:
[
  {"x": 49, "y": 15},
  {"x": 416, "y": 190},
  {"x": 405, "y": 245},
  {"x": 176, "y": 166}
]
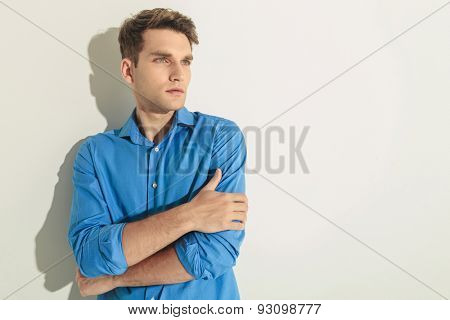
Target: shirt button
[
  {"x": 156, "y": 149},
  {"x": 154, "y": 185}
]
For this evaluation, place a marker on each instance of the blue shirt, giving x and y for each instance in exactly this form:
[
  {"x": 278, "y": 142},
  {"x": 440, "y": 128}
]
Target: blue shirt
[{"x": 120, "y": 176}]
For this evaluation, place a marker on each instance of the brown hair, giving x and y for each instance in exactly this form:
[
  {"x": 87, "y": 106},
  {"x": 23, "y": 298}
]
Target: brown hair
[{"x": 130, "y": 34}]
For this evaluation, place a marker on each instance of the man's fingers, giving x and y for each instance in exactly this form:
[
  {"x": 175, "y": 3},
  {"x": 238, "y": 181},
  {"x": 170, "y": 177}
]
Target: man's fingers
[
  {"x": 241, "y": 216},
  {"x": 237, "y": 197},
  {"x": 236, "y": 226},
  {"x": 240, "y": 207}
]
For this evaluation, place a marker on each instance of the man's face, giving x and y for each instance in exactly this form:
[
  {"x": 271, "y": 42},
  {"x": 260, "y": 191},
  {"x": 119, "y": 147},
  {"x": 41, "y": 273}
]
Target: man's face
[{"x": 164, "y": 64}]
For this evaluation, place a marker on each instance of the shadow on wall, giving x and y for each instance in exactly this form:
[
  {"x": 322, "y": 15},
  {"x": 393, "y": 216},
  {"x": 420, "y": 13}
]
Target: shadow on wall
[{"x": 114, "y": 101}]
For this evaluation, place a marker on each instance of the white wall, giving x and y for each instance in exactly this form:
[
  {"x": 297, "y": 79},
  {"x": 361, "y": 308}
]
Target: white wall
[{"x": 369, "y": 221}]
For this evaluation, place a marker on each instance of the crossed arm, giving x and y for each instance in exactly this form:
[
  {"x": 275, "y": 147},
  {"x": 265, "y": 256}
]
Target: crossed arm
[
  {"x": 163, "y": 267},
  {"x": 106, "y": 264}
]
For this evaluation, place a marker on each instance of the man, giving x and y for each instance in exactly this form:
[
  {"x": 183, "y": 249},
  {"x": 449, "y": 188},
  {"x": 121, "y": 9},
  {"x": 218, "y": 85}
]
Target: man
[{"x": 147, "y": 219}]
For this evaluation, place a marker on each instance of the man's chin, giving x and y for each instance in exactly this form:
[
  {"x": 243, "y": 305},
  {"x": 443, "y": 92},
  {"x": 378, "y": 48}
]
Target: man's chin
[
  {"x": 173, "y": 107},
  {"x": 164, "y": 108}
]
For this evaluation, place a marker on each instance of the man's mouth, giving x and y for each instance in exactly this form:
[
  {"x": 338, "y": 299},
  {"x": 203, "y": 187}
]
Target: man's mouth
[{"x": 175, "y": 91}]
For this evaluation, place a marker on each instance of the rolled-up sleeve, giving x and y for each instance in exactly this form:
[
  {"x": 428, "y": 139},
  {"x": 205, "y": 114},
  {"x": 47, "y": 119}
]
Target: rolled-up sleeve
[
  {"x": 96, "y": 242},
  {"x": 209, "y": 255}
]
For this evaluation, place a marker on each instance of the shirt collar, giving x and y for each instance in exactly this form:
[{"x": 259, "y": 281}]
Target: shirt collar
[
  {"x": 130, "y": 129},
  {"x": 184, "y": 116}
]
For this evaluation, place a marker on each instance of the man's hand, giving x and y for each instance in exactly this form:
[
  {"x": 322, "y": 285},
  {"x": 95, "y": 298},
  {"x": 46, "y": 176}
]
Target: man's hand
[
  {"x": 94, "y": 286},
  {"x": 214, "y": 211}
]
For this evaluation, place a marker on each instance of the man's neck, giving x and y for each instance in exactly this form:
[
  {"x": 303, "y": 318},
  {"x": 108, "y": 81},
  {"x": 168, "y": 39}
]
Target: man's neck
[{"x": 154, "y": 125}]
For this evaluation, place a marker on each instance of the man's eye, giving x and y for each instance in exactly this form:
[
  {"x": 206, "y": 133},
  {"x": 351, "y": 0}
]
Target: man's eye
[
  {"x": 161, "y": 59},
  {"x": 187, "y": 62}
]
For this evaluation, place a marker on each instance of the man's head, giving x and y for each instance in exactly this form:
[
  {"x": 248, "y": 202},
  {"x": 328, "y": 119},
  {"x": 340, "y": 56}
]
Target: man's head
[{"x": 156, "y": 48}]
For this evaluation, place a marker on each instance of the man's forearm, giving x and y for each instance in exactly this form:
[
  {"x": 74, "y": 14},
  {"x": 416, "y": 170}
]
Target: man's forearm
[
  {"x": 163, "y": 267},
  {"x": 145, "y": 237}
]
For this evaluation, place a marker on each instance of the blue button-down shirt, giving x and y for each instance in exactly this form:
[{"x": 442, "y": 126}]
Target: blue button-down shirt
[{"x": 121, "y": 176}]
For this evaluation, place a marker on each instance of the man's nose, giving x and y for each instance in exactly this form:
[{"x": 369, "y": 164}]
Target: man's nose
[{"x": 177, "y": 73}]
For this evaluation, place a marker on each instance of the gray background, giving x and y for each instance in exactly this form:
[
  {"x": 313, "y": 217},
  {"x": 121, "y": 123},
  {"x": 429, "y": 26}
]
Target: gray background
[{"x": 370, "y": 218}]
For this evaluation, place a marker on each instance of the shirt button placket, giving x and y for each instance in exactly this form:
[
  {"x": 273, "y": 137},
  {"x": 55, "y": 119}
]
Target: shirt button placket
[
  {"x": 153, "y": 160},
  {"x": 154, "y": 184}
]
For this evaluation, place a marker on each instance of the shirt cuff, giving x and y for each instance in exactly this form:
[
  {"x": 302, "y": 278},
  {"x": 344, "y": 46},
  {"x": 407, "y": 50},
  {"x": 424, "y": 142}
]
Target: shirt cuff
[
  {"x": 188, "y": 253},
  {"x": 111, "y": 248}
]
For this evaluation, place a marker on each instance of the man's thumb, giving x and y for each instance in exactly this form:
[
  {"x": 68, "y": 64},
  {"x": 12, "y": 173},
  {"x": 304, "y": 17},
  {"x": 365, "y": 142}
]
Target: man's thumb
[{"x": 212, "y": 184}]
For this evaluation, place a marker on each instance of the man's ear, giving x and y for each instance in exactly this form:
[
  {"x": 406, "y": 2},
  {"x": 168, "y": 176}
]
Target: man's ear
[{"x": 127, "y": 71}]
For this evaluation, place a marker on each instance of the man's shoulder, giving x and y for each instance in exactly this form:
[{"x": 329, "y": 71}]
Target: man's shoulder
[
  {"x": 102, "y": 137},
  {"x": 224, "y": 131},
  {"x": 217, "y": 121},
  {"x": 98, "y": 140}
]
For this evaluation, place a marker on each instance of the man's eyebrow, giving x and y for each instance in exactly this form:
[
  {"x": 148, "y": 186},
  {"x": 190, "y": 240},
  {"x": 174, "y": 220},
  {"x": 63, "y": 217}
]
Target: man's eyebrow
[{"x": 168, "y": 55}]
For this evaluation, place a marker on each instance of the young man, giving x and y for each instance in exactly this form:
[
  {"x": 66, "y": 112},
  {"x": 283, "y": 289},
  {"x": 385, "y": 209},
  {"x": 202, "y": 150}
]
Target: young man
[{"x": 147, "y": 219}]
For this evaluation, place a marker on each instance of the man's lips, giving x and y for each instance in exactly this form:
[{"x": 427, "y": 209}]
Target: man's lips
[{"x": 175, "y": 90}]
